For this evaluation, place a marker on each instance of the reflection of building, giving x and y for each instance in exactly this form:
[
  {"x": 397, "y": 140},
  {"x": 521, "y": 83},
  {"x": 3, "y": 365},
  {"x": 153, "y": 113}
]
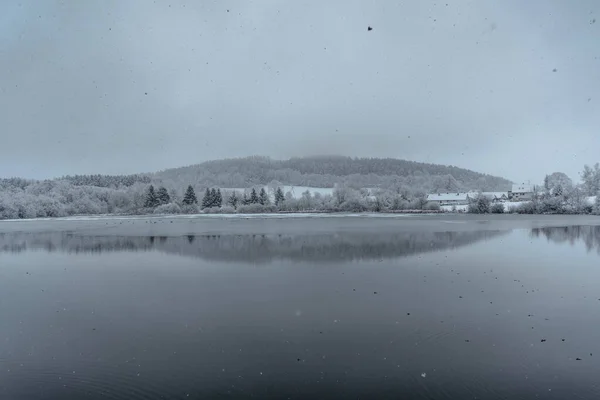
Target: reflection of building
[
  {"x": 521, "y": 192},
  {"x": 449, "y": 199}
]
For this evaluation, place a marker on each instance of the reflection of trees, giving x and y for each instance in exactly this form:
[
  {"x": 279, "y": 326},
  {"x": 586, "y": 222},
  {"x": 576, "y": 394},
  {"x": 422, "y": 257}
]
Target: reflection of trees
[
  {"x": 253, "y": 248},
  {"x": 590, "y": 235}
]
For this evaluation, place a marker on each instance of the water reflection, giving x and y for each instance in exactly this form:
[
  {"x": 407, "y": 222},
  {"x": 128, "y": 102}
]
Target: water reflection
[
  {"x": 590, "y": 235},
  {"x": 254, "y": 248}
]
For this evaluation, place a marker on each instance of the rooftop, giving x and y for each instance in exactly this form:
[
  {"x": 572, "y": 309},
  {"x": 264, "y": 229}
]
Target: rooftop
[{"x": 447, "y": 196}]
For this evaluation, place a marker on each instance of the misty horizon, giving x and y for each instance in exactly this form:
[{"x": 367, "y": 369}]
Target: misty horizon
[
  {"x": 505, "y": 89},
  {"x": 271, "y": 158},
  {"x": 324, "y": 156}
]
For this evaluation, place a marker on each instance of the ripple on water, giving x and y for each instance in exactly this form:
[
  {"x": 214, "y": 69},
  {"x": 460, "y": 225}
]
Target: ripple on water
[{"x": 109, "y": 381}]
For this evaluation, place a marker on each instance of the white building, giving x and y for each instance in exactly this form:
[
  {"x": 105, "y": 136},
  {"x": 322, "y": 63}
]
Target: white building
[
  {"x": 449, "y": 199},
  {"x": 521, "y": 192}
]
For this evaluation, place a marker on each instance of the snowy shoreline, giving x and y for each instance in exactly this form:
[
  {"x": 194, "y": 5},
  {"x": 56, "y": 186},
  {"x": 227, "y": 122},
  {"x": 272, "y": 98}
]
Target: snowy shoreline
[{"x": 232, "y": 216}]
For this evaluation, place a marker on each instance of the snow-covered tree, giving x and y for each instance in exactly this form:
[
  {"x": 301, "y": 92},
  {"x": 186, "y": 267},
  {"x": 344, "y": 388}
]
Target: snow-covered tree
[
  {"x": 479, "y": 205},
  {"x": 245, "y": 200},
  {"x": 170, "y": 208},
  {"x": 279, "y": 196},
  {"x": 306, "y": 201},
  {"x": 557, "y": 181},
  {"x": 163, "y": 196},
  {"x": 591, "y": 179},
  {"x": 190, "y": 196},
  {"x": 233, "y": 200},
  {"x": 207, "y": 200},
  {"x": 596, "y": 209},
  {"x": 576, "y": 201},
  {"x": 446, "y": 184},
  {"x": 263, "y": 198},
  {"x": 174, "y": 196},
  {"x": 253, "y": 197},
  {"x": 213, "y": 198},
  {"x": 218, "y": 199},
  {"x": 151, "y": 198}
]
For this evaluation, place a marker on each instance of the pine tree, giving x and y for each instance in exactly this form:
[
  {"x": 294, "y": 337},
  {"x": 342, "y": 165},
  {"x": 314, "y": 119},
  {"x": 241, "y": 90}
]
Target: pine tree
[
  {"x": 207, "y": 199},
  {"x": 279, "y": 197},
  {"x": 190, "y": 196},
  {"x": 163, "y": 196},
  {"x": 263, "y": 198},
  {"x": 218, "y": 199},
  {"x": 233, "y": 200},
  {"x": 151, "y": 199},
  {"x": 253, "y": 197},
  {"x": 245, "y": 200},
  {"x": 213, "y": 198}
]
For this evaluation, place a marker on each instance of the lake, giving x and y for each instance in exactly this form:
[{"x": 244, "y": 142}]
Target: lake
[{"x": 420, "y": 307}]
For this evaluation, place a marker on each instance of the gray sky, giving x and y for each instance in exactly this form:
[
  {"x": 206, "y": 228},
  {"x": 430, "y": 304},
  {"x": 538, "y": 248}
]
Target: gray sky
[{"x": 138, "y": 86}]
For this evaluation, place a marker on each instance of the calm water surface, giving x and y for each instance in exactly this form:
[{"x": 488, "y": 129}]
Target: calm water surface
[{"x": 358, "y": 313}]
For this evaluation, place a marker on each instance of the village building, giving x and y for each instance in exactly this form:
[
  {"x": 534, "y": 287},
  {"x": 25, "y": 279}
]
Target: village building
[
  {"x": 521, "y": 192},
  {"x": 449, "y": 199}
]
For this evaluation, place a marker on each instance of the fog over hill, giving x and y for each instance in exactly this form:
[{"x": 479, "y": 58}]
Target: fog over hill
[{"x": 327, "y": 171}]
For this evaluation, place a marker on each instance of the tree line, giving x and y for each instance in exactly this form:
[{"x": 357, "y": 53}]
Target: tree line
[
  {"x": 159, "y": 199},
  {"x": 22, "y": 198},
  {"x": 558, "y": 195}
]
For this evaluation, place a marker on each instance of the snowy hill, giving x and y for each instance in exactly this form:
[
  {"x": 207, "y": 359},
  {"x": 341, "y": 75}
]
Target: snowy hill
[{"x": 325, "y": 172}]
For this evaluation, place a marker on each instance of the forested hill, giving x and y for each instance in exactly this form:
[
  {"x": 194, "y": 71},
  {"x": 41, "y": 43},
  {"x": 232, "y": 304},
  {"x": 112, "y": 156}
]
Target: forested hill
[
  {"x": 402, "y": 185},
  {"x": 327, "y": 171}
]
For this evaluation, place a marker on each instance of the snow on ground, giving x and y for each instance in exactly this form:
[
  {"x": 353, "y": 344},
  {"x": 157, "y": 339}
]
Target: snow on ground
[
  {"x": 507, "y": 206},
  {"x": 513, "y": 204},
  {"x": 81, "y": 218},
  {"x": 292, "y": 215},
  {"x": 219, "y": 216},
  {"x": 461, "y": 208}
]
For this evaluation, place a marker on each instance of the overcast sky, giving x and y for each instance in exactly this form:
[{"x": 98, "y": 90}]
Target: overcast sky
[{"x": 510, "y": 88}]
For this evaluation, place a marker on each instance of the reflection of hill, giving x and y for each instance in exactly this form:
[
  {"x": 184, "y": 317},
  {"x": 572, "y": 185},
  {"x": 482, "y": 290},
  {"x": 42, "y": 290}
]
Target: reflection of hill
[
  {"x": 590, "y": 235},
  {"x": 253, "y": 248}
]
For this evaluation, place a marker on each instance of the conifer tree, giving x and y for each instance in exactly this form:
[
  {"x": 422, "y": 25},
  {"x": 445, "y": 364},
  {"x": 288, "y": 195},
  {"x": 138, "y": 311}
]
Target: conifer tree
[
  {"x": 163, "y": 196},
  {"x": 263, "y": 198},
  {"x": 253, "y": 197},
  {"x": 218, "y": 199},
  {"x": 190, "y": 196},
  {"x": 279, "y": 197},
  {"x": 151, "y": 198},
  {"x": 233, "y": 200},
  {"x": 213, "y": 198},
  {"x": 207, "y": 199}
]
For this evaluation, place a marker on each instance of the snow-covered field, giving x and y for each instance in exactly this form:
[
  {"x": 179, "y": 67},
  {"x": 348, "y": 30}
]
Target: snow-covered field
[
  {"x": 218, "y": 216},
  {"x": 508, "y": 205},
  {"x": 464, "y": 208},
  {"x": 459, "y": 208}
]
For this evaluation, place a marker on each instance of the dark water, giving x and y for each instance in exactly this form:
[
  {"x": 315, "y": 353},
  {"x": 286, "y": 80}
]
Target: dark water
[{"x": 486, "y": 314}]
